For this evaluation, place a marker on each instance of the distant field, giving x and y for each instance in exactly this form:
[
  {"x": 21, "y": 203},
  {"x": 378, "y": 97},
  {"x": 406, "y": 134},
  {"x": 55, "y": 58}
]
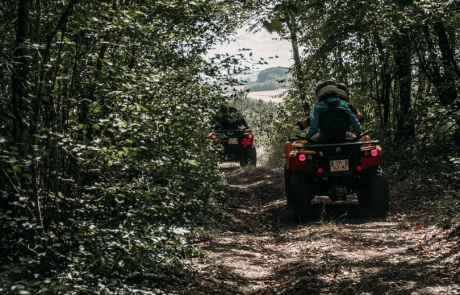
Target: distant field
[{"x": 272, "y": 95}]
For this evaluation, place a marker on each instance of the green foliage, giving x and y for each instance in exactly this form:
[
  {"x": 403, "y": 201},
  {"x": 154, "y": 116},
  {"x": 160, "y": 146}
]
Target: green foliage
[
  {"x": 283, "y": 127},
  {"x": 105, "y": 163},
  {"x": 258, "y": 114},
  {"x": 275, "y": 25}
]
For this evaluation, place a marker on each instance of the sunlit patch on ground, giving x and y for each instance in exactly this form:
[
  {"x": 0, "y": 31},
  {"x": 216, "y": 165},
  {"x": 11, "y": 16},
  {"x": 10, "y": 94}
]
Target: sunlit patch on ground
[{"x": 229, "y": 165}]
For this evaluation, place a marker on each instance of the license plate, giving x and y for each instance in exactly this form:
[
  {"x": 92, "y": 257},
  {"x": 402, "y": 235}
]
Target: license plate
[
  {"x": 339, "y": 165},
  {"x": 233, "y": 141}
]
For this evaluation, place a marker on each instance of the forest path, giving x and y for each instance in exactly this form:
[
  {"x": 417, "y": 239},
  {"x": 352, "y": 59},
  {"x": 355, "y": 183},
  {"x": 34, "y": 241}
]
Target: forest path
[{"x": 260, "y": 250}]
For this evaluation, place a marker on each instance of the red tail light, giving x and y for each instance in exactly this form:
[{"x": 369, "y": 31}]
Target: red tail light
[
  {"x": 213, "y": 136},
  {"x": 250, "y": 136},
  {"x": 302, "y": 158},
  {"x": 359, "y": 168},
  {"x": 320, "y": 170},
  {"x": 374, "y": 153}
]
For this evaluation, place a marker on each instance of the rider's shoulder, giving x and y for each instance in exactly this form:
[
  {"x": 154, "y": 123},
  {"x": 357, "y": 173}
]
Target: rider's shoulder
[
  {"x": 321, "y": 104},
  {"x": 343, "y": 104}
]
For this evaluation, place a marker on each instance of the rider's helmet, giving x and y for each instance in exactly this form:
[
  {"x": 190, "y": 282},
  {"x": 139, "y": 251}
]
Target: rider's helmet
[
  {"x": 325, "y": 89},
  {"x": 342, "y": 91}
]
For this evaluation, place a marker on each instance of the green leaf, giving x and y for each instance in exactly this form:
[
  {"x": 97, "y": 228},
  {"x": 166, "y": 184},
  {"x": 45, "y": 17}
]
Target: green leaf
[
  {"x": 17, "y": 169},
  {"x": 193, "y": 163},
  {"x": 60, "y": 288},
  {"x": 96, "y": 127},
  {"x": 274, "y": 25}
]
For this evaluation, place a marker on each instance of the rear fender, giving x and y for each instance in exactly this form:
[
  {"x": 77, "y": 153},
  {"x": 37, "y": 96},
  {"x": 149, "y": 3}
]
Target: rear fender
[
  {"x": 295, "y": 165},
  {"x": 247, "y": 142},
  {"x": 289, "y": 147},
  {"x": 367, "y": 160}
]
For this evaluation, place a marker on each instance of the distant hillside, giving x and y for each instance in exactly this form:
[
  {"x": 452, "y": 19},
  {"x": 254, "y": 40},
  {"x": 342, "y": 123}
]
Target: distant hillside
[
  {"x": 268, "y": 80},
  {"x": 272, "y": 74}
]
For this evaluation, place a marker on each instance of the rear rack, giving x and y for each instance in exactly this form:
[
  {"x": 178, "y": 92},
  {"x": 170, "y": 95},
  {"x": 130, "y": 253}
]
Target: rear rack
[
  {"x": 315, "y": 146},
  {"x": 230, "y": 130}
]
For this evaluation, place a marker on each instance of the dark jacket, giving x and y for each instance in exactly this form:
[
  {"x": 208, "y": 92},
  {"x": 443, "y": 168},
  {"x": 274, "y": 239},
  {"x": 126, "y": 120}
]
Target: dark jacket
[{"x": 328, "y": 103}]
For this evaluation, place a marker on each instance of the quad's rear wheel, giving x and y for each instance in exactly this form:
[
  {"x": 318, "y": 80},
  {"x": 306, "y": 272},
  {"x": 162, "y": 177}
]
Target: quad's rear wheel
[
  {"x": 376, "y": 193},
  {"x": 301, "y": 196},
  {"x": 249, "y": 157},
  {"x": 287, "y": 176},
  {"x": 363, "y": 197}
]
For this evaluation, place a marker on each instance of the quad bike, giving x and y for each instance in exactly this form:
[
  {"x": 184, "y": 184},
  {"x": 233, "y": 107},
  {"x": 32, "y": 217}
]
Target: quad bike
[
  {"x": 336, "y": 167},
  {"x": 238, "y": 145}
]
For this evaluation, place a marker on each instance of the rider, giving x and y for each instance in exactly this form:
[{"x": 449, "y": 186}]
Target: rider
[
  {"x": 228, "y": 118},
  {"x": 326, "y": 93},
  {"x": 342, "y": 93}
]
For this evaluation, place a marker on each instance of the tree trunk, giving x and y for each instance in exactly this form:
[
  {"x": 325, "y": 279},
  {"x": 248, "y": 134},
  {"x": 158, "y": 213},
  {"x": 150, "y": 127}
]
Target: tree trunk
[
  {"x": 385, "y": 76},
  {"x": 450, "y": 68},
  {"x": 447, "y": 58},
  {"x": 297, "y": 63},
  {"x": 34, "y": 118},
  {"x": 19, "y": 84},
  {"x": 403, "y": 55},
  {"x": 433, "y": 70}
]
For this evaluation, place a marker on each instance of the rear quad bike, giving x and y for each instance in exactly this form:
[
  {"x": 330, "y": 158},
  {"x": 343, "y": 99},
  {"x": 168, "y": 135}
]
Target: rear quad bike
[
  {"x": 238, "y": 145},
  {"x": 336, "y": 167}
]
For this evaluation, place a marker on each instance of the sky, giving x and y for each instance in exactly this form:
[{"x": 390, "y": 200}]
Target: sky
[{"x": 263, "y": 46}]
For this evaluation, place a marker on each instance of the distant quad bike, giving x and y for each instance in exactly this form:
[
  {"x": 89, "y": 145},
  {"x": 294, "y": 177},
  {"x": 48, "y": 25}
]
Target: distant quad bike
[
  {"x": 238, "y": 145},
  {"x": 336, "y": 168}
]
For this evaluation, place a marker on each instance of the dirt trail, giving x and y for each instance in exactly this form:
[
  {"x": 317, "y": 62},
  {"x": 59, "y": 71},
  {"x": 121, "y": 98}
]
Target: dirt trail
[{"x": 261, "y": 251}]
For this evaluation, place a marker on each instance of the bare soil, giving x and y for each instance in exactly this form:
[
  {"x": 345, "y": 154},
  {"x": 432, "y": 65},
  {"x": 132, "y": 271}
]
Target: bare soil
[{"x": 260, "y": 250}]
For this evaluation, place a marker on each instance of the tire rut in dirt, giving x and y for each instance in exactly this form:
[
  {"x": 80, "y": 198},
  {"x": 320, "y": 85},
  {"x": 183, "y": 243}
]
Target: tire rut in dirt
[{"x": 301, "y": 192}]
